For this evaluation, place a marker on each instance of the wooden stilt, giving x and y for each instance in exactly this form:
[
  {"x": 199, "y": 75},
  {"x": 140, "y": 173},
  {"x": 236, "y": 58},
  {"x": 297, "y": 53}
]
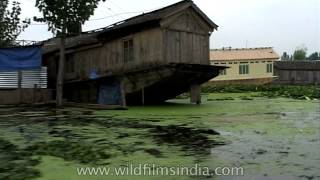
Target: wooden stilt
[
  {"x": 123, "y": 94},
  {"x": 142, "y": 95},
  {"x": 35, "y": 89},
  {"x": 20, "y": 85},
  {"x": 195, "y": 94}
]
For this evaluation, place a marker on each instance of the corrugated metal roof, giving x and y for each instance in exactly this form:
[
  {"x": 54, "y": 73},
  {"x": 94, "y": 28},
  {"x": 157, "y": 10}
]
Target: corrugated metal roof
[{"x": 228, "y": 54}]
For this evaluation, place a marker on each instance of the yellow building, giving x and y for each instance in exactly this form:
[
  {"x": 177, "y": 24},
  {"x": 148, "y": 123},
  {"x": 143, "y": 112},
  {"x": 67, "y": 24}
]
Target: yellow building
[{"x": 247, "y": 65}]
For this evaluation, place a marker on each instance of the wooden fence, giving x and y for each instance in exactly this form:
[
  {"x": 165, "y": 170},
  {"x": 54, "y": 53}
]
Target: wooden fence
[{"x": 297, "y": 72}]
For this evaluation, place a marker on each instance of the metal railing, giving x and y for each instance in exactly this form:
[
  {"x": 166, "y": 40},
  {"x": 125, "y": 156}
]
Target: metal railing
[{"x": 27, "y": 42}]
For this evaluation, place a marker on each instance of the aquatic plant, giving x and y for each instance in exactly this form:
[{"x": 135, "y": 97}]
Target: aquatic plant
[
  {"x": 16, "y": 163},
  {"x": 271, "y": 91}
]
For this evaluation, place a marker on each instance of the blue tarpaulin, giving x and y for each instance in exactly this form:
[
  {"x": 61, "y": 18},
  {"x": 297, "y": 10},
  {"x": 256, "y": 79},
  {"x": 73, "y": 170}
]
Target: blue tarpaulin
[{"x": 20, "y": 58}]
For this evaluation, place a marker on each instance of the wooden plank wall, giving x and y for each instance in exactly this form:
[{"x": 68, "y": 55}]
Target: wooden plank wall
[
  {"x": 25, "y": 96},
  {"x": 297, "y": 77},
  {"x": 184, "y": 47},
  {"x": 109, "y": 57},
  {"x": 187, "y": 38},
  {"x": 182, "y": 38},
  {"x": 297, "y": 72}
]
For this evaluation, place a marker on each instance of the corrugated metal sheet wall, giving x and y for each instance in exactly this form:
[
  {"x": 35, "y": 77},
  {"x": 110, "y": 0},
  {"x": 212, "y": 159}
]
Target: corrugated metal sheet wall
[
  {"x": 29, "y": 78},
  {"x": 9, "y": 79},
  {"x": 32, "y": 77}
]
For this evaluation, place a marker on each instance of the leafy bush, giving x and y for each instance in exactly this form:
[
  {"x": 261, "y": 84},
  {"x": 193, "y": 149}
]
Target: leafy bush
[{"x": 290, "y": 91}]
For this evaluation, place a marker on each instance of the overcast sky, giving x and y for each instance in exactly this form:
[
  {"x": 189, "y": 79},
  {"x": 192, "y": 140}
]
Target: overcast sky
[{"x": 282, "y": 24}]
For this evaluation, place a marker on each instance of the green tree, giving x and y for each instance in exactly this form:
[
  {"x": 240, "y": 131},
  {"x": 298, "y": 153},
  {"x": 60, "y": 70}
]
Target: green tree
[
  {"x": 10, "y": 23},
  {"x": 60, "y": 15},
  {"x": 314, "y": 56},
  {"x": 300, "y": 54},
  {"x": 285, "y": 57}
]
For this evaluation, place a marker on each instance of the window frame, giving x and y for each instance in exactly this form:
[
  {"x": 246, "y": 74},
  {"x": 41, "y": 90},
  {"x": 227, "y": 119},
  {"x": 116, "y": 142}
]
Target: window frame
[
  {"x": 223, "y": 72},
  {"x": 244, "y": 69},
  {"x": 269, "y": 68},
  {"x": 128, "y": 50}
]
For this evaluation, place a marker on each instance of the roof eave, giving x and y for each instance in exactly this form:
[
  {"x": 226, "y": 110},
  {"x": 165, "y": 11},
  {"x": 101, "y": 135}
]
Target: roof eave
[
  {"x": 189, "y": 4},
  {"x": 247, "y": 59},
  {"x": 213, "y": 25}
]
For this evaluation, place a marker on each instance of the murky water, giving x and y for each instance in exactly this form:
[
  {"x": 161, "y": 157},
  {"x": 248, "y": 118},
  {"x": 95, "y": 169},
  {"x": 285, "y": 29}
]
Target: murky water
[{"x": 269, "y": 138}]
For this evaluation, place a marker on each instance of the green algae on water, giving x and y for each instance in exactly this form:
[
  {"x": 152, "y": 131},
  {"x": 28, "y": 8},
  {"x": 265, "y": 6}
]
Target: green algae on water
[{"x": 265, "y": 136}]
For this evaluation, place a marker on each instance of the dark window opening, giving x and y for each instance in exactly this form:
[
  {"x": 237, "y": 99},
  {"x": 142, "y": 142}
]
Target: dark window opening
[
  {"x": 223, "y": 72},
  {"x": 244, "y": 69},
  {"x": 269, "y": 68},
  {"x": 70, "y": 63},
  {"x": 128, "y": 54}
]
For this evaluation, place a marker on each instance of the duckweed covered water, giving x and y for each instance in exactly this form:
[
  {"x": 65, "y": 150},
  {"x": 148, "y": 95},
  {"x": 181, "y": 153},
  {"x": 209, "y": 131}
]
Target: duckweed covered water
[{"x": 267, "y": 137}]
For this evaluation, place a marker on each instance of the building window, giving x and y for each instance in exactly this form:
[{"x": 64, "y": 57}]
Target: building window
[
  {"x": 244, "y": 69},
  {"x": 230, "y": 62},
  {"x": 223, "y": 72},
  {"x": 70, "y": 63},
  {"x": 128, "y": 50},
  {"x": 269, "y": 68}
]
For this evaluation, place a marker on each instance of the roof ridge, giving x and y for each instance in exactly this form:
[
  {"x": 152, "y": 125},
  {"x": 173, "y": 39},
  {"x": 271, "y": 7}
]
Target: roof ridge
[
  {"x": 137, "y": 16},
  {"x": 258, "y": 53},
  {"x": 239, "y": 49}
]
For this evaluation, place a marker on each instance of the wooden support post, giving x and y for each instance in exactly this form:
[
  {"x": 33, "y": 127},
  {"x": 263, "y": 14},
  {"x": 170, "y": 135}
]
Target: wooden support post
[
  {"x": 20, "y": 85},
  {"x": 195, "y": 94},
  {"x": 142, "y": 96},
  {"x": 60, "y": 76},
  {"x": 123, "y": 94},
  {"x": 35, "y": 87}
]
